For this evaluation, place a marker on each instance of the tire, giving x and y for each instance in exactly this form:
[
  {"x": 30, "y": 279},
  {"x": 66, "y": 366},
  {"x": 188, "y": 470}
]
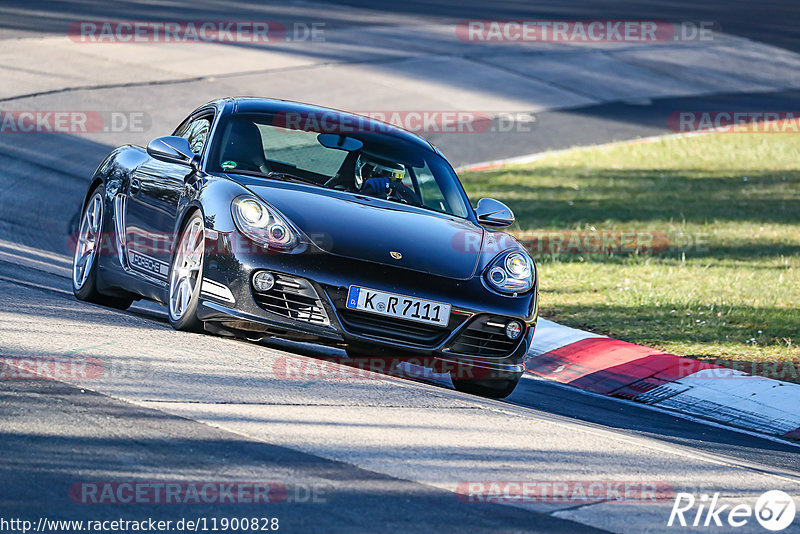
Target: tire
[
  {"x": 85, "y": 258},
  {"x": 186, "y": 275},
  {"x": 493, "y": 388}
]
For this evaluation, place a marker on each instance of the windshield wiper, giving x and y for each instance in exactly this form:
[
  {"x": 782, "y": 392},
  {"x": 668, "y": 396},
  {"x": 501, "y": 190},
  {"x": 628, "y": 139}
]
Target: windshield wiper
[
  {"x": 283, "y": 176},
  {"x": 288, "y": 177}
]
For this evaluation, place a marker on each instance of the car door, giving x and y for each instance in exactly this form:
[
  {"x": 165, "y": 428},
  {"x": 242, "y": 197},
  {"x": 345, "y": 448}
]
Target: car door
[{"x": 155, "y": 189}]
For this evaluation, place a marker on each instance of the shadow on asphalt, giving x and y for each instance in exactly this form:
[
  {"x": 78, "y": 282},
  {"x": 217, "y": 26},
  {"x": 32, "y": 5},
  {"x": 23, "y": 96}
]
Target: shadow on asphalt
[
  {"x": 771, "y": 21},
  {"x": 67, "y": 451},
  {"x": 48, "y": 175}
]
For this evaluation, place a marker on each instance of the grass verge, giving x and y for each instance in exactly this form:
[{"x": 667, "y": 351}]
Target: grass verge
[{"x": 725, "y": 285}]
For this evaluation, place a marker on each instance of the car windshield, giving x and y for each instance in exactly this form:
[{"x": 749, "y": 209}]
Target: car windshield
[{"x": 362, "y": 162}]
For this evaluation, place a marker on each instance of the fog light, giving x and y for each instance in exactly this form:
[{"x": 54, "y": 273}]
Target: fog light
[
  {"x": 263, "y": 281},
  {"x": 513, "y": 330}
]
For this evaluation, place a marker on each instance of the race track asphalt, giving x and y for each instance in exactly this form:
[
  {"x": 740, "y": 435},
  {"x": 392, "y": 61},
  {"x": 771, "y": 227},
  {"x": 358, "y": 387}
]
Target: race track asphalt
[
  {"x": 386, "y": 453},
  {"x": 201, "y": 407}
]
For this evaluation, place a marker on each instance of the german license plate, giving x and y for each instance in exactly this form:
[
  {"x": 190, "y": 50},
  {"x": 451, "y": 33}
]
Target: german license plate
[{"x": 394, "y": 305}]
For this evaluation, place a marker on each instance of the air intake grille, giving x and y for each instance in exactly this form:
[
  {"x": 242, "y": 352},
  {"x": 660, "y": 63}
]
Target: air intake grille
[
  {"x": 392, "y": 329},
  {"x": 293, "y": 298},
  {"x": 485, "y": 336}
]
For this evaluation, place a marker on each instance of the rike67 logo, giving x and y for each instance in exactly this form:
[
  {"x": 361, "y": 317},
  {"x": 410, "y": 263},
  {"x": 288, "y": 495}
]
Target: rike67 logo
[{"x": 774, "y": 510}]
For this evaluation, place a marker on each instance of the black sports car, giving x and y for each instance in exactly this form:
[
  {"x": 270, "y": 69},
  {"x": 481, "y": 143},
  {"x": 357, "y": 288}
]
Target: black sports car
[{"x": 263, "y": 217}]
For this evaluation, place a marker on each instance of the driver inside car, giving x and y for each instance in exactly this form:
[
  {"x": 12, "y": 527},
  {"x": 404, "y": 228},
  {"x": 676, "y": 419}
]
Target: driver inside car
[{"x": 380, "y": 178}]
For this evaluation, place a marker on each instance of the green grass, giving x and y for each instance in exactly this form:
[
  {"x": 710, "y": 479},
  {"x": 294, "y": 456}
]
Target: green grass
[{"x": 728, "y": 285}]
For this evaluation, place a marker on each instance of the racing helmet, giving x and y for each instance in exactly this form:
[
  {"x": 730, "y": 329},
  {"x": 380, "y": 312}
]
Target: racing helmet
[{"x": 369, "y": 166}]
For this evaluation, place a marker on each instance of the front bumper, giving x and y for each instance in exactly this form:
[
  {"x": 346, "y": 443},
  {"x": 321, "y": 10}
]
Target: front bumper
[{"x": 330, "y": 276}]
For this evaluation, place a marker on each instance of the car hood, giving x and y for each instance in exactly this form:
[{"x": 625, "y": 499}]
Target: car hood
[{"x": 370, "y": 229}]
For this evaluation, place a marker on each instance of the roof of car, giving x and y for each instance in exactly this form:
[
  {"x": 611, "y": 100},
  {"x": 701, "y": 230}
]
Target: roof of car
[{"x": 273, "y": 105}]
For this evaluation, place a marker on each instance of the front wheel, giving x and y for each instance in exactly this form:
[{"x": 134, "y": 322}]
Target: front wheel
[
  {"x": 496, "y": 387},
  {"x": 186, "y": 276},
  {"x": 87, "y": 250}
]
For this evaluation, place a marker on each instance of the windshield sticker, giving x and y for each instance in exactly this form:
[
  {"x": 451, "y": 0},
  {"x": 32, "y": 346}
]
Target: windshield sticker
[{"x": 228, "y": 164}]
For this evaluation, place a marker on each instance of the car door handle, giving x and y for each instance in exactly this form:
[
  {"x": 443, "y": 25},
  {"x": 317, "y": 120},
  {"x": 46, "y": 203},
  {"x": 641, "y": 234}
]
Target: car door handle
[{"x": 136, "y": 185}]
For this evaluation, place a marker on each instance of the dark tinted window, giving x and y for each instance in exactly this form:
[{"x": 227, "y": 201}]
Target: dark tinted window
[{"x": 266, "y": 144}]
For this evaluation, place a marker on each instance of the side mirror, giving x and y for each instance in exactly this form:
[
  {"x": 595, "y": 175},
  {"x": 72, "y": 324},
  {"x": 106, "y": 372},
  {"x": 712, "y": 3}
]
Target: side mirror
[
  {"x": 492, "y": 212},
  {"x": 172, "y": 149}
]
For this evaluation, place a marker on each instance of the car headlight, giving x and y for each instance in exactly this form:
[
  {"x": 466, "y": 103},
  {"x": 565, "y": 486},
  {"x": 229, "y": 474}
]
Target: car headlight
[
  {"x": 511, "y": 272},
  {"x": 262, "y": 223}
]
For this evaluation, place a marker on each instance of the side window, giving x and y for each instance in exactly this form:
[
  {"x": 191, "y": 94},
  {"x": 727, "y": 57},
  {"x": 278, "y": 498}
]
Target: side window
[{"x": 196, "y": 132}]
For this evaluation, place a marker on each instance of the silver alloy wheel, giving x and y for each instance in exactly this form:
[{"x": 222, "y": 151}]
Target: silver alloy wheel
[
  {"x": 184, "y": 278},
  {"x": 89, "y": 237}
]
